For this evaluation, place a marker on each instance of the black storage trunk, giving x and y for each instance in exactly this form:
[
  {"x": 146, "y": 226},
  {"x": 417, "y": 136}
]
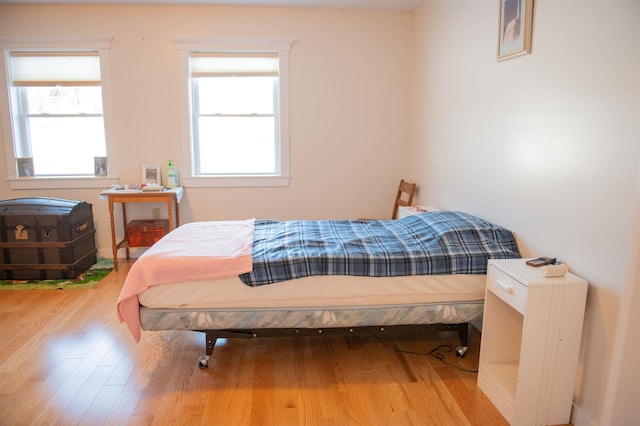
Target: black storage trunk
[{"x": 45, "y": 238}]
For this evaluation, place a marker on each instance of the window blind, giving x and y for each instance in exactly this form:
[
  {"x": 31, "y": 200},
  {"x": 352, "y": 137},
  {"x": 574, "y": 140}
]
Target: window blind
[
  {"x": 229, "y": 64},
  {"x": 57, "y": 68}
]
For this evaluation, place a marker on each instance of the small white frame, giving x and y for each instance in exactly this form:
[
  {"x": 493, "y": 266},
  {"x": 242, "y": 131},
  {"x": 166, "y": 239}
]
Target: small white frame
[{"x": 151, "y": 174}]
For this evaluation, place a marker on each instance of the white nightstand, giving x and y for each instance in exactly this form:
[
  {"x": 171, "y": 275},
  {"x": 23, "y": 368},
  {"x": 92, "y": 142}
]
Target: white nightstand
[{"x": 530, "y": 342}]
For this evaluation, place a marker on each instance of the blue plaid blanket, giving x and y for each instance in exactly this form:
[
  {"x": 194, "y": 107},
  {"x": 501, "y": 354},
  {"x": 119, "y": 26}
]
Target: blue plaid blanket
[{"x": 433, "y": 243}]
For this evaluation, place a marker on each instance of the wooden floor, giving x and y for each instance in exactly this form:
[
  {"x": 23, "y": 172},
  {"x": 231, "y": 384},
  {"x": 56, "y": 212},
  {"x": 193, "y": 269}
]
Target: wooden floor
[{"x": 66, "y": 360}]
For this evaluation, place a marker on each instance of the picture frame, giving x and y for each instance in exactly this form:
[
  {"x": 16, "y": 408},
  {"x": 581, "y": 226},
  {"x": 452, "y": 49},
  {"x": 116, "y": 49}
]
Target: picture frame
[
  {"x": 24, "y": 165},
  {"x": 515, "y": 28},
  {"x": 100, "y": 166},
  {"x": 151, "y": 174}
]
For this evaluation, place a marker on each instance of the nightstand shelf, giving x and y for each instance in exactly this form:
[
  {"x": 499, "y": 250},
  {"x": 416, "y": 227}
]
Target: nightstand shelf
[{"x": 530, "y": 343}]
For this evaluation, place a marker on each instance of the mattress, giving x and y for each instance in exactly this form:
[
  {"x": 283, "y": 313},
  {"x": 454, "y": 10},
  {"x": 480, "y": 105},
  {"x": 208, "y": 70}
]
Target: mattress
[
  {"x": 314, "y": 302},
  {"x": 316, "y": 291}
]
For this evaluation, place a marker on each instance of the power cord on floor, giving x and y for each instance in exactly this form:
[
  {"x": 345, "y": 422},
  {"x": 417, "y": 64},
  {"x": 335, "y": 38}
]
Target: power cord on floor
[{"x": 436, "y": 352}]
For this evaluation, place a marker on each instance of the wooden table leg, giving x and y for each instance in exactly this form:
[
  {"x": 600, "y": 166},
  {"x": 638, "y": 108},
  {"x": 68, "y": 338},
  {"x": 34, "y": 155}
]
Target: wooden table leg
[
  {"x": 114, "y": 243},
  {"x": 170, "y": 212},
  {"x": 124, "y": 222},
  {"x": 175, "y": 199}
]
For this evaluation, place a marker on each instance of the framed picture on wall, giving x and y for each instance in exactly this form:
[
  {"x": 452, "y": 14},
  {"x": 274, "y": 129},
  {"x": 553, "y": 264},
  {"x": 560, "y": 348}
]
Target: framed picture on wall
[
  {"x": 515, "y": 20},
  {"x": 151, "y": 174}
]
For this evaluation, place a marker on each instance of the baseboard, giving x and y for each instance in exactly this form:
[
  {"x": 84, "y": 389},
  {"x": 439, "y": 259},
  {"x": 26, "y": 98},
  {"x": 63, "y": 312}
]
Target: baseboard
[
  {"x": 134, "y": 252},
  {"x": 580, "y": 418}
]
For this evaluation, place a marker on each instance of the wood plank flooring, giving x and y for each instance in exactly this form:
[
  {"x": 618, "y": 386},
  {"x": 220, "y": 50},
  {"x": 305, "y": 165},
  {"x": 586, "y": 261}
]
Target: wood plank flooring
[{"x": 66, "y": 360}]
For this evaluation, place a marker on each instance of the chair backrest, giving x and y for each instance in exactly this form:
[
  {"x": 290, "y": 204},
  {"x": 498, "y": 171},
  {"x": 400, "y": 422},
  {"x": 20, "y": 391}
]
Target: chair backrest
[{"x": 406, "y": 191}]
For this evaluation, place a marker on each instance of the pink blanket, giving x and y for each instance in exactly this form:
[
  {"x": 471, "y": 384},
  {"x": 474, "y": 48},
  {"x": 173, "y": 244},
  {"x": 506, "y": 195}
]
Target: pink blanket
[{"x": 195, "y": 251}]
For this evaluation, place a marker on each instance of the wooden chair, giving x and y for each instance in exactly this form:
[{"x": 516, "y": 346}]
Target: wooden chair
[{"x": 404, "y": 197}]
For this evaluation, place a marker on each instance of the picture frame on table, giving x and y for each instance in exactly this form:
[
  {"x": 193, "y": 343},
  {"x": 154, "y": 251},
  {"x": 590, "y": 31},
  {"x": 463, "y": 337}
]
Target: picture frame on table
[
  {"x": 100, "y": 166},
  {"x": 25, "y": 167},
  {"x": 151, "y": 174},
  {"x": 515, "y": 28}
]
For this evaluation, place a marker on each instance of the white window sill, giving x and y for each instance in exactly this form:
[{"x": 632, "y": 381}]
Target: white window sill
[
  {"x": 234, "y": 181},
  {"x": 62, "y": 182}
]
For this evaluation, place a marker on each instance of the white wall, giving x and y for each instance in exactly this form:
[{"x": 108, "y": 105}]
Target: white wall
[
  {"x": 349, "y": 103},
  {"x": 546, "y": 145}
]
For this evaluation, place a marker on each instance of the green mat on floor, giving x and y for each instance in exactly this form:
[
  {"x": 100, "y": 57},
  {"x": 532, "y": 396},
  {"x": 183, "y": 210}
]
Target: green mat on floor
[{"x": 87, "y": 279}]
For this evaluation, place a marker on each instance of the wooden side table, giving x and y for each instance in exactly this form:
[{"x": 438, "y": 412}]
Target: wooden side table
[{"x": 170, "y": 196}]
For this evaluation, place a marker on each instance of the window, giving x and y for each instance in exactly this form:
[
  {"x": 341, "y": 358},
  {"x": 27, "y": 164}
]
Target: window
[
  {"x": 238, "y": 112},
  {"x": 235, "y": 111},
  {"x": 56, "y": 104}
]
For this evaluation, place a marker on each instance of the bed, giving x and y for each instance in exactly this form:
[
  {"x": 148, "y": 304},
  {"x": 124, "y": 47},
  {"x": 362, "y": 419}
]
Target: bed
[{"x": 253, "y": 278}]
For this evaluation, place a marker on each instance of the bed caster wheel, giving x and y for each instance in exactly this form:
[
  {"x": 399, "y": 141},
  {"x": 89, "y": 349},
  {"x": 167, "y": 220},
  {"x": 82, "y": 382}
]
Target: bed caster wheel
[
  {"x": 461, "y": 351},
  {"x": 203, "y": 361}
]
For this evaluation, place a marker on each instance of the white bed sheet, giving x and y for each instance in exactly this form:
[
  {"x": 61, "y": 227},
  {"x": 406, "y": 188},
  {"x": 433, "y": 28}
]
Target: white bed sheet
[{"x": 316, "y": 291}]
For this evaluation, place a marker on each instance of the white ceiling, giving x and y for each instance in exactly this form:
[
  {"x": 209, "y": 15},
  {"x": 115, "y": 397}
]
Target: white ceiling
[{"x": 340, "y": 4}]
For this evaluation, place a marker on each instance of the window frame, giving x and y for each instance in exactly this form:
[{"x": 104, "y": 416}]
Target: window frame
[
  {"x": 101, "y": 44},
  {"x": 186, "y": 46}
]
